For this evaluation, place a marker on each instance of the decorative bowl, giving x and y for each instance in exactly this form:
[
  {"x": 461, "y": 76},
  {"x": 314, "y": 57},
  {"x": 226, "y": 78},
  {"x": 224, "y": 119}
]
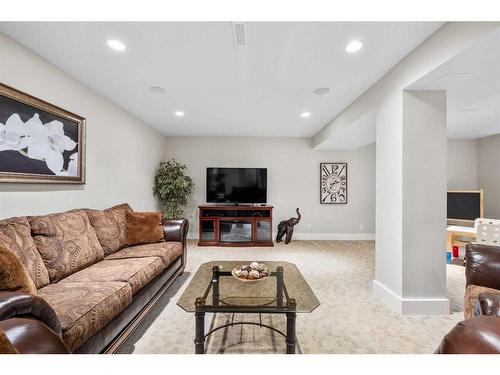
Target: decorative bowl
[{"x": 264, "y": 268}]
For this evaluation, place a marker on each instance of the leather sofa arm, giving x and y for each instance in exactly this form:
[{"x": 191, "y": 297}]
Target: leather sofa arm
[
  {"x": 478, "y": 335},
  {"x": 488, "y": 304},
  {"x": 23, "y": 305},
  {"x": 482, "y": 265},
  {"x": 30, "y": 336},
  {"x": 175, "y": 230}
]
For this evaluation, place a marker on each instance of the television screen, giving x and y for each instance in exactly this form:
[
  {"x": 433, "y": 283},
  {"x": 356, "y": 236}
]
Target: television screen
[
  {"x": 464, "y": 205},
  {"x": 236, "y": 185}
]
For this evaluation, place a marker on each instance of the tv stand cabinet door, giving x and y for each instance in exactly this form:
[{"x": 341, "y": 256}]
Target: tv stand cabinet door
[
  {"x": 209, "y": 230},
  {"x": 262, "y": 230}
]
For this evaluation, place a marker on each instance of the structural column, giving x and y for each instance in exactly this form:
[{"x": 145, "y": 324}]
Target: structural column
[{"x": 410, "y": 274}]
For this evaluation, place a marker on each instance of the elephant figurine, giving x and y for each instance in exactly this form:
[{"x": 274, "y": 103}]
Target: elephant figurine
[{"x": 285, "y": 227}]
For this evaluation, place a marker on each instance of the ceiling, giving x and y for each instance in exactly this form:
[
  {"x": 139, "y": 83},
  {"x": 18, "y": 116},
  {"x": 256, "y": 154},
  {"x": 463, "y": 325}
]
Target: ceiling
[
  {"x": 472, "y": 84},
  {"x": 257, "y": 90}
]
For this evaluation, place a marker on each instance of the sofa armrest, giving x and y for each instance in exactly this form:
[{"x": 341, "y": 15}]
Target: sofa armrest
[
  {"x": 478, "y": 335},
  {"x": 30, "y": 336},
  {"x": 488, "y": 304},
  {"x": 175, "y": 230},
  {"x": 482, "y": 265},
  {"x": 23, "y": 305}
]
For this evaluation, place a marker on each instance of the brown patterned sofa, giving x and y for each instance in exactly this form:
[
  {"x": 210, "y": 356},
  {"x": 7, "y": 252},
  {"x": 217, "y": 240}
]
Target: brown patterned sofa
[{"x": 98, "y": 288}]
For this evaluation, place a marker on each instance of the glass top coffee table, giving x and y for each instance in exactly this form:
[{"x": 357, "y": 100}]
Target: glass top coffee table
[{"x": 214, "y": 290}]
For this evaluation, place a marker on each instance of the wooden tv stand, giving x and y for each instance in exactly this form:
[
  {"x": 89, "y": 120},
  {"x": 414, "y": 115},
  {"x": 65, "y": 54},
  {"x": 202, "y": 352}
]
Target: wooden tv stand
[{"x": 235, "y": 225}]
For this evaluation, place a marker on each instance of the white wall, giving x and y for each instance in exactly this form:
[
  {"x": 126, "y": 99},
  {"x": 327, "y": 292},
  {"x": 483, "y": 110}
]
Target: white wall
[
  {"x": 293, "y": 180},
  {"x": 122, "y": 151},
  {"x": 462, "y": 164},
  {"x": 473, "y": 164},
  {"x": 489, "y": 174},
  {"x": 386, "y": 98}
]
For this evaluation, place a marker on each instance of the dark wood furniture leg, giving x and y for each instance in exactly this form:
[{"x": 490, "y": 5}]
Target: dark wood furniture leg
[
  {"x": 199, "y": 340},
  {"x": 291, "y": 338}
]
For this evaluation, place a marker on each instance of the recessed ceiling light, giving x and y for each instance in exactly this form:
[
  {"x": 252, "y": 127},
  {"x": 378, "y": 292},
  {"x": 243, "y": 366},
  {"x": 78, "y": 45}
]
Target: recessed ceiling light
[
  {"x": 157, "y": 89},
  {"x": 322, "y": 91},
  {"x": 305, "y": 114},
  {"x": 353, "y": 46},
  {"x": 179, "y": 113},
  {"x": 116, "y": 45}
]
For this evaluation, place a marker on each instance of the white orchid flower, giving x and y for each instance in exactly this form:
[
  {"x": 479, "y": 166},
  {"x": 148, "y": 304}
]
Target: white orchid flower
[
  {"x": 48, "y": 142},
  {"x": 13, "y": 135},
  {"x": 72, "y": 166}
]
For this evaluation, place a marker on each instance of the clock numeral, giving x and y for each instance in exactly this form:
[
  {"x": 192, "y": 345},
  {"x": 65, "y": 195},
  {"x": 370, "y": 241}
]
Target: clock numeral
[
  {"x": 325, "y": 171},
  {"x": 341, "y": 170}
]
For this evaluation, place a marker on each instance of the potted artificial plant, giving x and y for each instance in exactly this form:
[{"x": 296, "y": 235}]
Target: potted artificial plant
[{"x": 172, "y": 187}]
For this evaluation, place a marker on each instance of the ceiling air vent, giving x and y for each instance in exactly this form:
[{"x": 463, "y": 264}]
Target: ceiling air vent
[{"x": 239, "y": 34}]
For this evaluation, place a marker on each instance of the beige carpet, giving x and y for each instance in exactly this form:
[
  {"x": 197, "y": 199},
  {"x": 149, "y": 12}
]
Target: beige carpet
[{"x": 349, "y": 320}]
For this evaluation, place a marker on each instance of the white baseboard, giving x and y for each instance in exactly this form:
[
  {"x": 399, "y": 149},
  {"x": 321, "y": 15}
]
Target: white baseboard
[
  {"x": 410, "y": 306},
  {"x": 320, "y": 236},
  {"x": 333, "y": 236},
  {"x": 387, "y": 296}
]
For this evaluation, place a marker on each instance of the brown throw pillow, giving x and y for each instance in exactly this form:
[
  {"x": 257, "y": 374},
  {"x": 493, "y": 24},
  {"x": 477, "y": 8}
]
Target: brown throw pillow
[
  {"x": 110, "y": 227},
  {"x": 15, "y": 235},
  {"x": 121, "y": 206},
  {"x": 66, "y": 241},
  {"x": 14, "y": 277},
  {"x": 144, "y": 227}
]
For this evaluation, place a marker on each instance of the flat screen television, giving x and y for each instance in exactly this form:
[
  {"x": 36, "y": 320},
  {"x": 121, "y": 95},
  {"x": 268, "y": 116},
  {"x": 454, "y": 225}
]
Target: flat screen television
[
  {"x": 236, "y": 185},
  {"x": 464, "y": 205}
]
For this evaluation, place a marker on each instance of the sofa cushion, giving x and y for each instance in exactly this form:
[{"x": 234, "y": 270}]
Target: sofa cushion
[
  {"x": 144, "y": 228},
  {"x": 84, "y": 308},
  {"x": 470, "y": 298},
  {"x": 137, "y": 272},
  {"x": 166, "y": 251},
  {"x": 14, "y": 276},
  {"x": 110, "y": 227},
  {"x": 15, "y": 235},
  {"x": 66, "y": 242}
]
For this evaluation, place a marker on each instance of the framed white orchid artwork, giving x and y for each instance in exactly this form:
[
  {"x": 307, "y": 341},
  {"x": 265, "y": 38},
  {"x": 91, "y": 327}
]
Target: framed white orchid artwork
[{"x": 39, "y": 142}]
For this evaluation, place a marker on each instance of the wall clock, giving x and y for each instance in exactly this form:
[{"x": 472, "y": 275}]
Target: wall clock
[{"x": 333, "y": 183}]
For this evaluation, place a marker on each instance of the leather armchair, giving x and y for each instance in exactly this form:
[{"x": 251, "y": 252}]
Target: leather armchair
[
  {"x": 481, "y": 333},
  {"x": 478, "y": 335},
  {"x": 482, "y": 266},
  {"x": 30, "y": 324}
]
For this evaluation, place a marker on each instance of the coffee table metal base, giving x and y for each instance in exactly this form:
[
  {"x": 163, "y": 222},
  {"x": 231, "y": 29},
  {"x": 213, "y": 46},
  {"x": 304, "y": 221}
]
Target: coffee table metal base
[{"x": 200, "y": 336}]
